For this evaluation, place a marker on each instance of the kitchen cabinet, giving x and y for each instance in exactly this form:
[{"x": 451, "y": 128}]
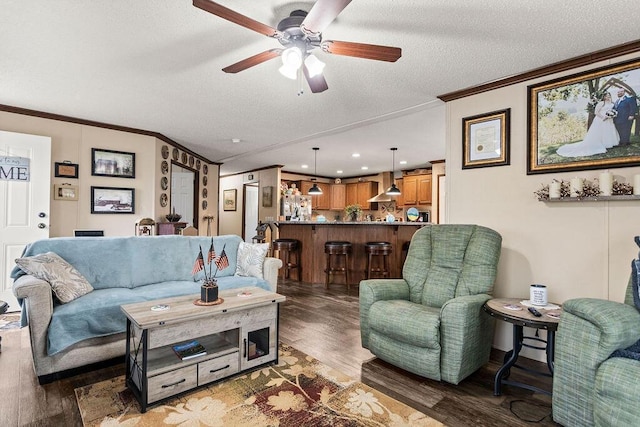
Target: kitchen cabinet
[
  {"x": 416, "y": 190},
  {"x": 400, "y": 197},
  {"x": 321, "y": 201},
  {"x": 338, "y": 197},
  {"x": 360, "y": 192}
]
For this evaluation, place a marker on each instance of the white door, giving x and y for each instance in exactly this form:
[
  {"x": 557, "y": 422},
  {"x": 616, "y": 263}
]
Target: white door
[
  {"x": 250, "y": 211},
  {"x": 24, "y": 206},
  {"x": 182, "y": 193}
]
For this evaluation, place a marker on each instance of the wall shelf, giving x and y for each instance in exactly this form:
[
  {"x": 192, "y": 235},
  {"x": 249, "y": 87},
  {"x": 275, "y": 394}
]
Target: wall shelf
[{"x": 592, "y": 199}]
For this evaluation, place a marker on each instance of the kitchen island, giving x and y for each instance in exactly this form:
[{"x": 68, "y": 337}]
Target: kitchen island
[{"x": 313, "y": 235}]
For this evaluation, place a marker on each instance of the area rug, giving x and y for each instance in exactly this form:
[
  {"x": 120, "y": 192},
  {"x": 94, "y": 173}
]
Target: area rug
[
  {"x": 299, "y": 391},
  {"x": 9, "y": 321}
]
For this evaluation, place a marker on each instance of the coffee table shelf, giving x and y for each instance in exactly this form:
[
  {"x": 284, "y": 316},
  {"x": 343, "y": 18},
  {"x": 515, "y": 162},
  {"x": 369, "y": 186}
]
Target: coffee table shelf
[{"x": 238, "y": 335}]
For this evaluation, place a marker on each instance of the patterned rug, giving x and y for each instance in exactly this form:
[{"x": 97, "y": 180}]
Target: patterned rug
[
  {"x": 9, "y": 321},
  {"x": 299, "y": 391}
]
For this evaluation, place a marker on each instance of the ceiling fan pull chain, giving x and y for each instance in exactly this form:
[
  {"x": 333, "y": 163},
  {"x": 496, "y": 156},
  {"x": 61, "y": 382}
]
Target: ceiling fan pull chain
[{"x": 300, "y": 84}]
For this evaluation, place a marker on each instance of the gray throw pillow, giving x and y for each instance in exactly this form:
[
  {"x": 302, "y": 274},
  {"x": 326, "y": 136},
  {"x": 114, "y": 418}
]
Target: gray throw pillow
[
  {"x": 66, "y": 282},
  {"x": 250, "y": 259}
]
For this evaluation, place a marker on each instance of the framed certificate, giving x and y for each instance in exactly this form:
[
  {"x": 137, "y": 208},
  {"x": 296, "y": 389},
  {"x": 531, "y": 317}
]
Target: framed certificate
[{"x": 485, "y": 140}]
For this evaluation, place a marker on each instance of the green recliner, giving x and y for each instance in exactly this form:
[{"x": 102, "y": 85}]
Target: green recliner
[
  {"x": 431, "y": 322},
  {"x": 590, "y": 387}
]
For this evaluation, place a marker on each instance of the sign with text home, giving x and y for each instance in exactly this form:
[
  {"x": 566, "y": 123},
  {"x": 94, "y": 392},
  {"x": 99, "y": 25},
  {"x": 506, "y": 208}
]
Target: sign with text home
[{"x": 14, "y": 168}]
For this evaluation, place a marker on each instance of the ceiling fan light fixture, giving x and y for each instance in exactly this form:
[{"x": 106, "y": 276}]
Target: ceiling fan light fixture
[
  {"x": 292, "y": 57},
  {"x": 314, "y": 65},
  {"x": 289, "y": 72}
]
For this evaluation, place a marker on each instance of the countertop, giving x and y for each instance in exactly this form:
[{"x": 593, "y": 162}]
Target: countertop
[{"x": 363, "y": 223}]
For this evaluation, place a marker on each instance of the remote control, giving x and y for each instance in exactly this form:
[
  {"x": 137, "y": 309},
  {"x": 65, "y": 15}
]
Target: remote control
[{"x": 534, "y": 312}]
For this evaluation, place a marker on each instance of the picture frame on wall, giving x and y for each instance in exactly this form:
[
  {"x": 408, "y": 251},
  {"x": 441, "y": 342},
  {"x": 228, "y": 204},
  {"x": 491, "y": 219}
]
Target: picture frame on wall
[
  {"x": 65, "y": 192},
  {"x": 267, "y": 196},
  {"x": 485, "y": 140},
  {"x": 583, "y": 121},
  {"x": 118, "y": 164},
  {"x": 229, "y": 200},
  {"x": 65, "y": 170},
  {"x": 112, "y": 200}
]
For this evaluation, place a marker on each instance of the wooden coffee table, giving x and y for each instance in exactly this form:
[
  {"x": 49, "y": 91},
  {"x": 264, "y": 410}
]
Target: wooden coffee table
[
  {"x": 239, "y": 334},
  {"x": 498, "y": 308}
]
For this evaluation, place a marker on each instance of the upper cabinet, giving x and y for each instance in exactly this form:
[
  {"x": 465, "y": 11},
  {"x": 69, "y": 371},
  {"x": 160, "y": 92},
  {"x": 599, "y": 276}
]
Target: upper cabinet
[
  {"x": 338, "y": 197},
  {"x": 360, "y": 192},
  {"x": 416, "y": 190},
  {"x": 321, "y": 201}
]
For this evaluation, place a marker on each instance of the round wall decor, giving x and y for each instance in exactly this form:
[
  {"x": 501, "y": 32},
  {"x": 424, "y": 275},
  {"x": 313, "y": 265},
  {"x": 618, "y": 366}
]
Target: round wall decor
[
  {"x": 198, "y": 164},
  {"x": 163, "y": 200},
  {"x": 175, "y": 154},
  {"x": 205, "y": 180},
  {"x": 191, "y": 161},
  {"x": 205, "y": 169},
  {"x": 205, "y": 193},
  {"x": 183, "y": 159},
  {"x": 164, "y": 167},
  {"x": 165, "y": 152},
  {"x": 164, "y": 183},
  {"x": 204, "y": 204}
]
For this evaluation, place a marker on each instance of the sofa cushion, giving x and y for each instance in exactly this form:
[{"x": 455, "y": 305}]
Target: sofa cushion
[
  {"x": 407, "y": 322},
  {"x": 66, "y": 282},
  {"x": 617, "y": 393},
  {"x": 250, "y": 259}
]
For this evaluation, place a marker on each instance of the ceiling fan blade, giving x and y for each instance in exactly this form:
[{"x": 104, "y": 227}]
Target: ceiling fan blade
[
  {"x": 361, "y": 50},
  {"x": 252, "y": 61},
  {"x": 317, "y": 83},
  {"x": 322, "y": 14},
  {"x": 236, "y": 18}
]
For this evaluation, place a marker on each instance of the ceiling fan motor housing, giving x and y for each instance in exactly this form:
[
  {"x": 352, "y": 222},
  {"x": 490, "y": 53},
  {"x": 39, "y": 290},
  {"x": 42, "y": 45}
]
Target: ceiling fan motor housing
[{"x": 293, "y": 34}]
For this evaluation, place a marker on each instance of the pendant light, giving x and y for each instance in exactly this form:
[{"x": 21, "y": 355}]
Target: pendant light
[
  {"x": 393, "y": 190},
  {"x": 315, "y": 190}
]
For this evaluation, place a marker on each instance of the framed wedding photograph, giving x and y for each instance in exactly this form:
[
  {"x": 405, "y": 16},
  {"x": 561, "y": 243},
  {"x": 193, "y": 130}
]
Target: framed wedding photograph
[
  {"x": 229, "y": 200},
  {"x": 113, "y": 163},
  {"x": 65, "y": 170},
  {"x": 587, "y": 120},
  {"x": 485, "y": 140},
  {"x": 112, "y": 200}
]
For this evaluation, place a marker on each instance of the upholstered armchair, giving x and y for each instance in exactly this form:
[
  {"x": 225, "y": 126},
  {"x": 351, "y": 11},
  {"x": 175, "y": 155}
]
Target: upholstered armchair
[{"x": 431, "y": 322}]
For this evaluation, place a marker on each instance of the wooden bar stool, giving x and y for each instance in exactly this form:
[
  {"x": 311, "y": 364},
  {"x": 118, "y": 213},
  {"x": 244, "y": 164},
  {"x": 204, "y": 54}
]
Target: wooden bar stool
[
  {"x": 378, "y": 249},
  {"x": 287, "y": 247},
  {"x": 338, "y": 250}
]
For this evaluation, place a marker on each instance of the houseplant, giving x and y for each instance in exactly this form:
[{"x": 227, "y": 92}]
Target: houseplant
[{"x": 353, "y": 212}]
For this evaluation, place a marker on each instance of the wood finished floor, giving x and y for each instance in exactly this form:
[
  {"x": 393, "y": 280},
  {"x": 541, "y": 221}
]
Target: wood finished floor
[{"x": 322, "y": 323}]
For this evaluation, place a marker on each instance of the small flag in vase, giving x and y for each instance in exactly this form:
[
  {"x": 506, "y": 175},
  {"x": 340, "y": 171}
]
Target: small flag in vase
[
  {"x": 199, "y": 264},
  {"x": 212, "y": 253},
  {"x": 222, "y": 262}
]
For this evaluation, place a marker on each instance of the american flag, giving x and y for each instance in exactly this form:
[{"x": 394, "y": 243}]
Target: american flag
[
  {"x": 222, "y": 262},
  {"x": 212, "y": 253},
  {"x": 199, "y": 264}
]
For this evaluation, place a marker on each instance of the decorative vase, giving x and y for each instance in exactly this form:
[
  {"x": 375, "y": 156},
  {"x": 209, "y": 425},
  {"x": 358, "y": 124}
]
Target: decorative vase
[
  {"x": 209, "y": 291},
  {"x": 353, "y": 216}
]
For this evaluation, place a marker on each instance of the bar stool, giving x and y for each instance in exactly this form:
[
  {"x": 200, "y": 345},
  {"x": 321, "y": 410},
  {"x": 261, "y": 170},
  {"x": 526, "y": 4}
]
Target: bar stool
[
  {"x": 377, "y": 249},
  {"x": 338, "y": 250},
  {"x": 287, "y": 247}
]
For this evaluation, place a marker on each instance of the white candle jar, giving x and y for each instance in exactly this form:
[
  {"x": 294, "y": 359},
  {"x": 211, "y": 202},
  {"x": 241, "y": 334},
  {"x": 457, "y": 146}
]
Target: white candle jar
[{"x": 538, "y": 294}]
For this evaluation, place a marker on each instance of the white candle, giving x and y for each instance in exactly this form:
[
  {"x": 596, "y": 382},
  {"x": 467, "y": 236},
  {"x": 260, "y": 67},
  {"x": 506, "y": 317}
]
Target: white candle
[
  {"x": 576, "y": 186},
  {"x": 606, "y": 183},
  {"x": 636, "y": 185},
  {"x": 554, "y": 190}
]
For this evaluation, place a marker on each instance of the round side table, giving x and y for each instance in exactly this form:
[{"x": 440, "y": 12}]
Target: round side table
[{"x": 511, "y": 310}]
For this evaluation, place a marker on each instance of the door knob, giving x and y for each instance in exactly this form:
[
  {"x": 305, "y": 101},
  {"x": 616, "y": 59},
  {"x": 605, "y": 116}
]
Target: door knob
[
  {"x": 42, "y": 214},
  {"x": 41, "y": 225}
]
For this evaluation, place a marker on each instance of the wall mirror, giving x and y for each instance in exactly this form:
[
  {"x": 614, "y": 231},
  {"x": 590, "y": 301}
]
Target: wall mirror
[{"x": 184, "y": 193}]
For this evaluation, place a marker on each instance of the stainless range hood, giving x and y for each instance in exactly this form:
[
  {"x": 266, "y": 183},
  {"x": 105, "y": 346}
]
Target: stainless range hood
[{"x": 387, "y": 180}]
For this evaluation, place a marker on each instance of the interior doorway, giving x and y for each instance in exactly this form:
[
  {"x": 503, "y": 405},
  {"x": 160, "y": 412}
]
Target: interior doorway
[{"x": 250, "y": 211}]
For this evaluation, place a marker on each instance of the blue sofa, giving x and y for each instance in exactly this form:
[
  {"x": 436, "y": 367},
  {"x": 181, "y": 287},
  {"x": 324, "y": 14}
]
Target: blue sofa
[{"x": 122, "y": 270}]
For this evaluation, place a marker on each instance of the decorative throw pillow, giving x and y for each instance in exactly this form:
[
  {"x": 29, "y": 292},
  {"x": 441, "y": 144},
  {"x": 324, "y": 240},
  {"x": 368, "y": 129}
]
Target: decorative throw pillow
[
  {"x": 66, "y": 282},
  {"x": 250, "y": 259}
]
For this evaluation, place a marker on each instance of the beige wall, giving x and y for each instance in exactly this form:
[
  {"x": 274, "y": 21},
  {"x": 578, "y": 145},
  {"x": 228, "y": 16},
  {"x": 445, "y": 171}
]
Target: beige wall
[
  {"x": 73, "y": 142},
  {"x": 580, "y": 249}
]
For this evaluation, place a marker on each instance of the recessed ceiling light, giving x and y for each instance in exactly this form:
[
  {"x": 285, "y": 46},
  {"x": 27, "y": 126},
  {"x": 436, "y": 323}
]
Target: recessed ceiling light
[
  {"x": 305, "y": 166},
  {"x": 403, "y": 162},
  {"x": 339, "y": 171},
  {"x": 364, "y": 168},
  {"x": 355, "y": 155},
  {"x": 235, "y": 140}
]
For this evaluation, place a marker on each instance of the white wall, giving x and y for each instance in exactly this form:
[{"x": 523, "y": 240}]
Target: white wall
[{"x": 578, "y": 249}]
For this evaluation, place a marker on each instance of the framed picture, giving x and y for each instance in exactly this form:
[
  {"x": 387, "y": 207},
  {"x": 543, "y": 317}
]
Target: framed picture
[
  {"x": 267, "y": 196},
  {"x": 585, "y": 121},
  {"x": 65, "y": 170},
  {"x": 65, "y": 192},
  {"x": 113, "y": 163},
  {"x": 485, "y": 140},
  {"x": 111, "y": 200},
  {"x": 229, "y": 200}
]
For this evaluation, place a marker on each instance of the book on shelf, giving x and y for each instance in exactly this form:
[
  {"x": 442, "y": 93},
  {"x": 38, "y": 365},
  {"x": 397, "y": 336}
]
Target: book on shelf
[{"x": 189, "y": 350}]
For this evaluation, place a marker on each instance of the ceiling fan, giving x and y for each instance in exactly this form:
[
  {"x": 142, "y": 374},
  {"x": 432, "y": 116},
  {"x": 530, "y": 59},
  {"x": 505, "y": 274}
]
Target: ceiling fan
[{"x": 300, "y": 33}]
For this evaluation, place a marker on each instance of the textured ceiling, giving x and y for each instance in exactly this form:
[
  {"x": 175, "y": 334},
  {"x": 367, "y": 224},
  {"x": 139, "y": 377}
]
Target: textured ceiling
[{"x": 156, "y": 65}]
